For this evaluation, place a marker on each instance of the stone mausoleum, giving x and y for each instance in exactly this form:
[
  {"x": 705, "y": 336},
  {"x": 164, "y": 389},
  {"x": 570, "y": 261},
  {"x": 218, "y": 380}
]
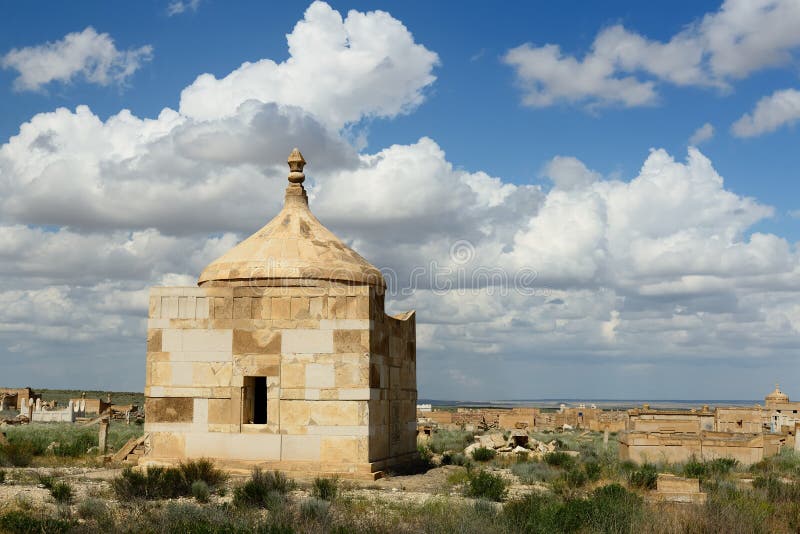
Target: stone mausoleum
[{"x": 282, "y": 357}]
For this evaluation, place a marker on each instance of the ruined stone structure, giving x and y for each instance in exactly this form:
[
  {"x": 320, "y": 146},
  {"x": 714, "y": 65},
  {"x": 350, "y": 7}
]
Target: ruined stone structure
[
  {"x": 747, "y": 434},
  {"x": 679, "y": 447},
  {"x": 671, "y": 488},
  {"x": 283, "y": 357},
  {"x": 736, "y": 419},
  {"x": 670, "y": 421},
  {"x": 780, "y": 414},
  {"x": 16, "y": 398}
]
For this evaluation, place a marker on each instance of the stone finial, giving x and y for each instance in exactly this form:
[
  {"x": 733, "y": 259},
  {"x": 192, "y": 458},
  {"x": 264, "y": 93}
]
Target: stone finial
[{"x": 296, "y": 164}]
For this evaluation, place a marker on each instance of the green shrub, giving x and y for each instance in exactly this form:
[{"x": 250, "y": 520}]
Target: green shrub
[
  {"x": 695, "y": 469},
  {"x": 483, "y": 454},
  {"x": 485, "y": 508},
  {"x": 534, "y": 513},
  {"x": 166, "y": 482},
  {"x": 21, "y": 521},
  {"x": 559, "y": 459},
  {"x": 776, "y": 489},
  {"x": 609, "y": 509},
  {"x": 721, "y": 466},
  {"x": 485, "y": 485},
  {"x": 575, "y": 477},
  {"x": 263, "y": 489},
  {"x": 46, "y": 481},
  {"x": 17, "y": 454},
  {"x": 92, "y": 509},
  {"x": 314, "y": 509},
  {"x": 531, "y": 472},
  {"x": 593, "y": 470},
  {"x": 450, "y": 440},
  {"x": 200, "y": 491},
  {"x": 61, "y": 492},
  {"x": 614, "y": 509},
  {"x": 203, "y": 470},
  {"x": 325, "y": 488},
  {"x": 454, "y": 458},
  {"x": 644, "y": 477}
]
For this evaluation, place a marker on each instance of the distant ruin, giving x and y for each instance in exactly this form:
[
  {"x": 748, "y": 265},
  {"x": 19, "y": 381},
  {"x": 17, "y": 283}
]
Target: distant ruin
[
  {"x": 747, "y": 435},
  {"x": 283, "y": 357}
]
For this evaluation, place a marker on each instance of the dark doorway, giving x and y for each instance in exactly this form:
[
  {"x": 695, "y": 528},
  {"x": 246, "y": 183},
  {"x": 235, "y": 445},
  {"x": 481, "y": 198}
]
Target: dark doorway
[{"x": 255, "y": 400}]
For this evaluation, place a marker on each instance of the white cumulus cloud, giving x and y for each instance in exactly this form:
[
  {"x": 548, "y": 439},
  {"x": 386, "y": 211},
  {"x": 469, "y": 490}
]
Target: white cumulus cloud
[
  {"x": 339, "y": 70},
  {"x": 702, "y": 134},
  {"x": 781, "y": 108},
  {"x": 87, "y": 54},
  {"x": 624, "y": 68}
]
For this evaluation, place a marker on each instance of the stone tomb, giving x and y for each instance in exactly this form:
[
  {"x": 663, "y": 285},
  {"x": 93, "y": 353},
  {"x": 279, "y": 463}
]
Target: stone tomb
[{"x": 283, "y": 357}]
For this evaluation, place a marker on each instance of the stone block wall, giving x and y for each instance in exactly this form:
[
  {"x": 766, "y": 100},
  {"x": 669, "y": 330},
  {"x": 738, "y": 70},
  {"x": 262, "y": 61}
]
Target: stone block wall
[
  {"x": 340, "y": 377},
  {"x": 747, "y": 449}
]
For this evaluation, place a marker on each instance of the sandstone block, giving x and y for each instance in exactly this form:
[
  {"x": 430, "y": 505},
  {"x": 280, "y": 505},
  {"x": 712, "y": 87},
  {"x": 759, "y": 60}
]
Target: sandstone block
[
  {"x": 307, "y": 341},
  {"x": 256, "y": 341},
  {"x": 242, "y": 308},
  {"x": 318, "y": 307},
  {"x": 301, "y": 448},
  {"x": 320, "y": 375},
  {"x": 207, "y": 340},
  {"x": 281, "y": 307},
  {"x": 223, "y": 308},
  {"x": 169, "y": 410},
  {"x": 299, "y": 308}
]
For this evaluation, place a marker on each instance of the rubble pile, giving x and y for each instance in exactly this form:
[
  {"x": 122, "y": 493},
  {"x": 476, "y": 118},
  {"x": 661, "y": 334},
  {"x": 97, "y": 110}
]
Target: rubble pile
[{"x": 518, "y": 442}]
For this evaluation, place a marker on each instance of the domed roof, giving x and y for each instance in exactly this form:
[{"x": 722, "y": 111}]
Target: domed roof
[
  {"x": 777, "y": 395},
  {"x": 293, "y": 245}
]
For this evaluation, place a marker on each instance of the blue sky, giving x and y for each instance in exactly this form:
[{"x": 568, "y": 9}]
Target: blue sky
[{"x": 476, "y": 116}]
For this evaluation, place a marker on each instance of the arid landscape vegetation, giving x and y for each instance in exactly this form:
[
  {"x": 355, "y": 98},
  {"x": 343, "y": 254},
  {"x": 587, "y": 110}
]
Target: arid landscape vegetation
[{"x": 579, "y": 485}]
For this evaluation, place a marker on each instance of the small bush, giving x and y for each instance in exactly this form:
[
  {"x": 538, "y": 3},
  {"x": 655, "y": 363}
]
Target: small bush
[
  {"x": 92, "y": 509},
  {"x": 778, "y": 490},
  {"x": 722, "y": 465},
  {"x": 609, "y": 509},
  {"x": 695, "y": 469},
  {"x": 645, "y": 477},
  {"x": 17, "y": 454},
  {"x": 203, "y": 470},
  {"x": 531, "y": 472},
  {"x": 166, "y": 482},
  {"x": 486, "y": 485},
  {"x": 314, "y": 509},
  {"x": 452, "y": 440},
  {"x": 459, "y": 476},
  {"x": 325, "y": 488},
  {"x": 26, "y": 521},
  {"x": 575, "y": 478},
  {"x": 559, "y": 459},
  {"x": 534, "y": 513},
  {"x": 2, "y": 476},
  {"x": 457, "y": 458},
  {"x": 200, "y": 491},
  {"x": 593, "y": 470},
  {"x": 483, "y": 454},
  {"x": 263, "y": 489},
  {"x": 46, "y": 481},
  {"x": 615, "y": 509},
  {"x": 485, "y": 508},
  {"x": 61, "y": 492}
]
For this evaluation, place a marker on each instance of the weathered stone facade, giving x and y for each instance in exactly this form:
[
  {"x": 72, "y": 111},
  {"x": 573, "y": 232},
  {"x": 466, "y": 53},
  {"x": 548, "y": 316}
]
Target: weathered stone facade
[{"x": 283, "y": 357}]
